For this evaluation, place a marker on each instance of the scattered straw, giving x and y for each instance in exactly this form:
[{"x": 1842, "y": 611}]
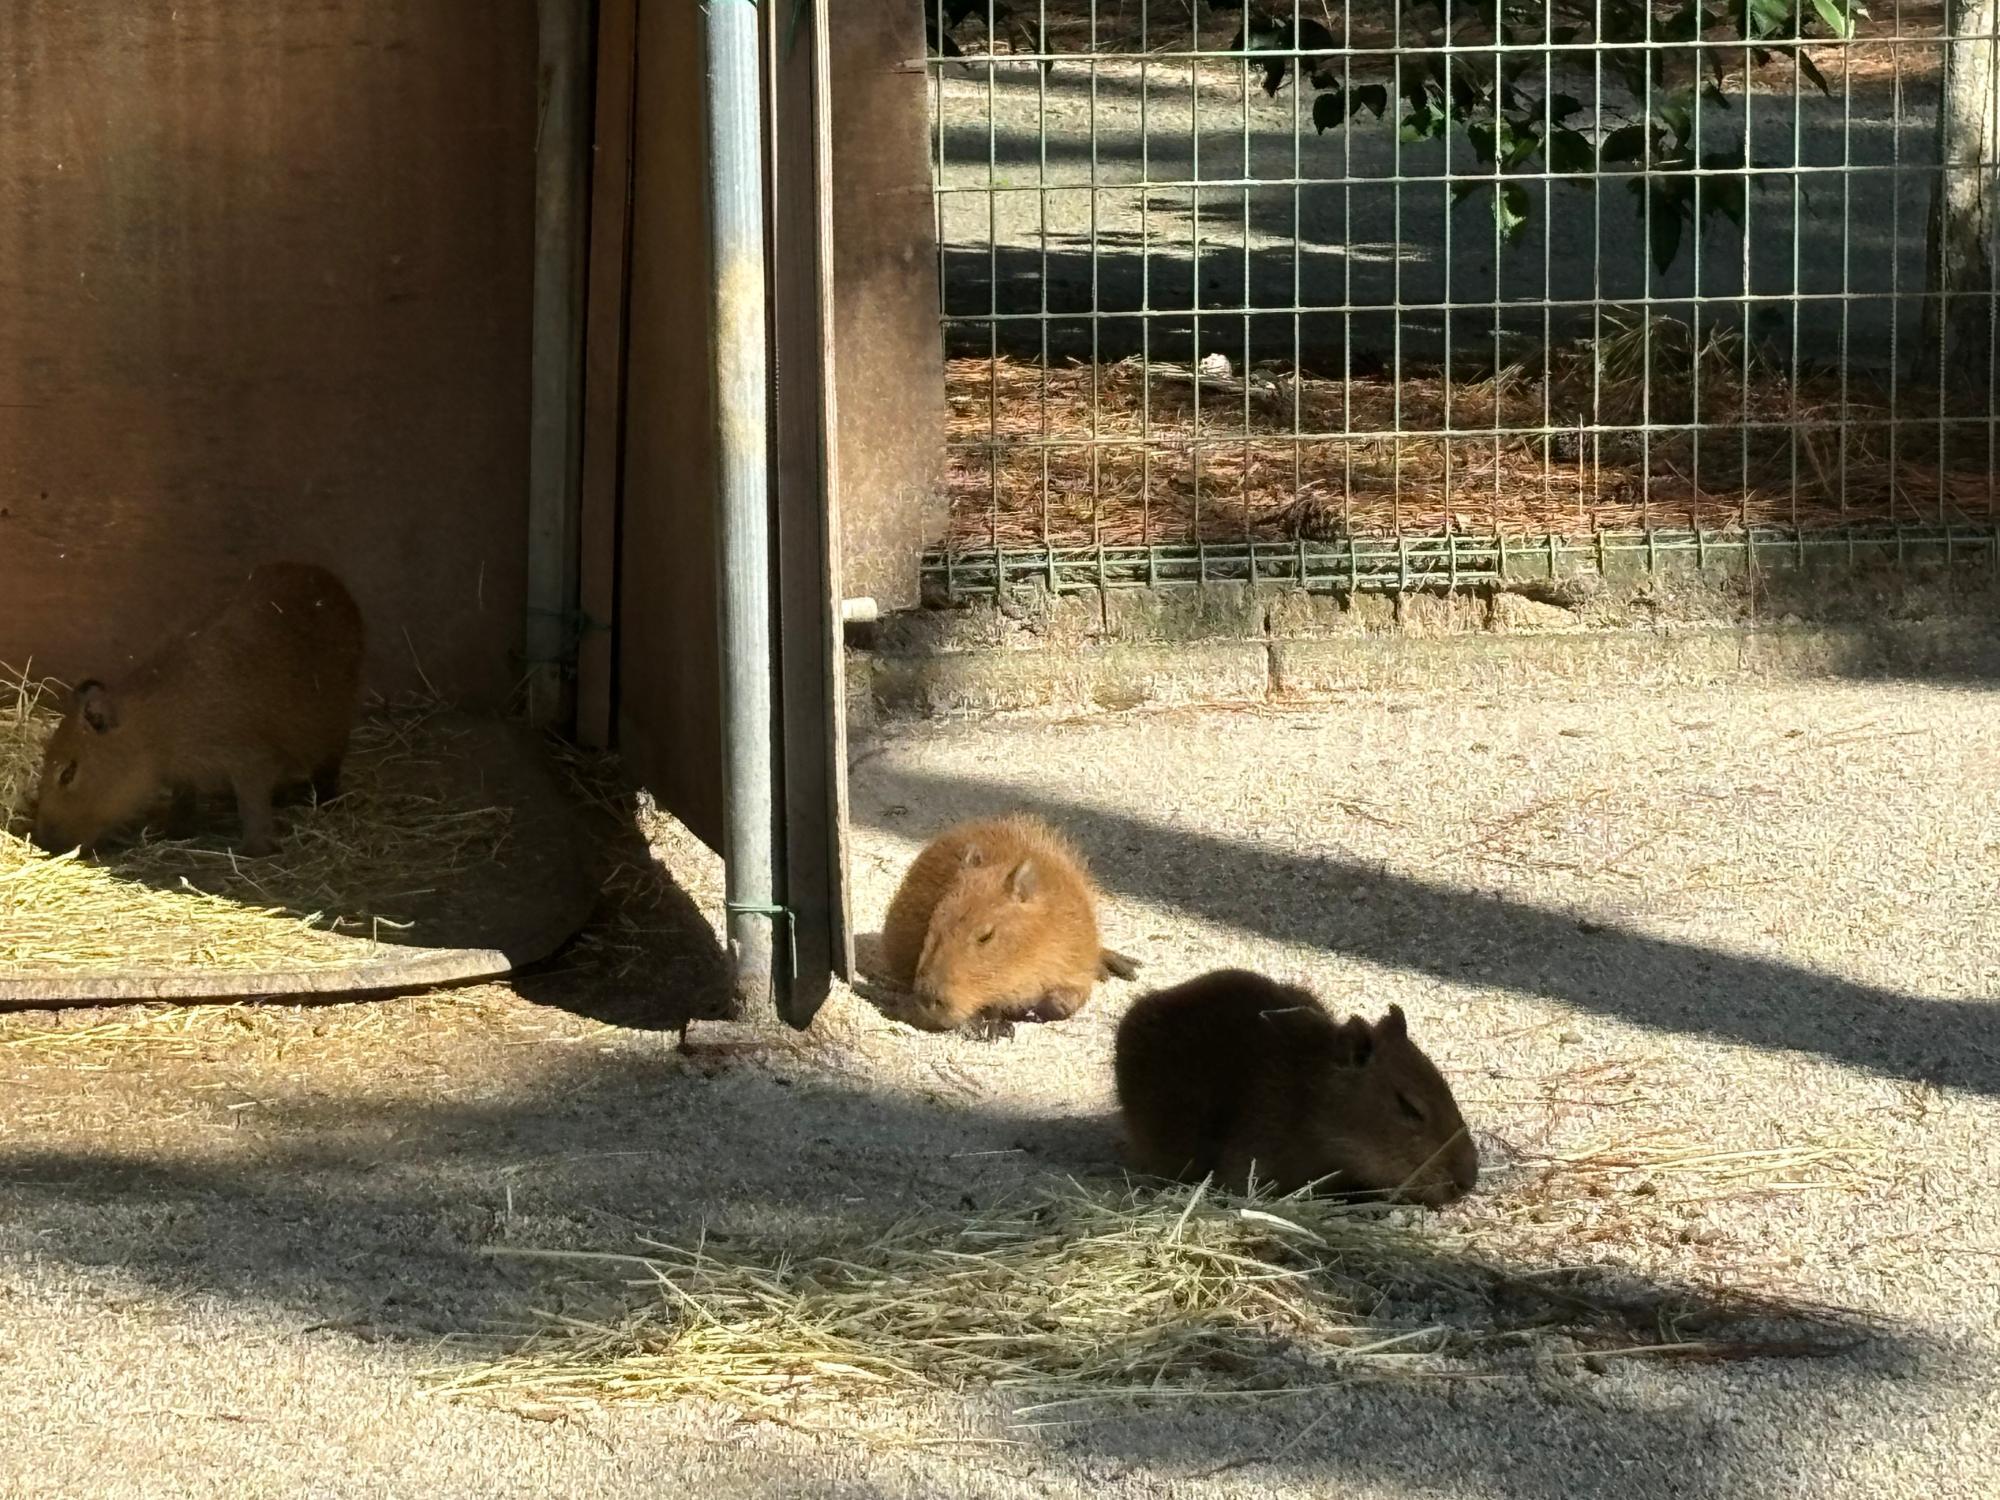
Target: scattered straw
[
  {"x": 1076, "y": 1297},
  {"x": 341, "y": 889},
  {"x": 176, "y": 1029},
  {"x": 24, "y": 724}
]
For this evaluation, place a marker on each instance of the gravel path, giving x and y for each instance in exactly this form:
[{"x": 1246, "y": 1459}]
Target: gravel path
[{"x": 231, "y": 1242}]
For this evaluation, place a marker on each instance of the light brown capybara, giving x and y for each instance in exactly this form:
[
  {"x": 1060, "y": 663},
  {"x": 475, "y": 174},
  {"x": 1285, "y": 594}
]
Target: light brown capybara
[
  {"x": 996, "y": 921},
  {"x": 1235, "y": 1074},
  {"x": 257, "y": 699}
]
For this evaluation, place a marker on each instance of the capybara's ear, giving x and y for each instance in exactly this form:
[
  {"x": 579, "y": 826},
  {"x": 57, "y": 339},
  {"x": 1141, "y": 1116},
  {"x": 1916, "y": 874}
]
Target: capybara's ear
[
  {"x": 973, "y": 857},
  {"x": 1353, "y": 1043},
  {"x": 1022, "y": 882},
  {"x": 1393, "y": 1027},
  {"x": 93, "y": 701}
]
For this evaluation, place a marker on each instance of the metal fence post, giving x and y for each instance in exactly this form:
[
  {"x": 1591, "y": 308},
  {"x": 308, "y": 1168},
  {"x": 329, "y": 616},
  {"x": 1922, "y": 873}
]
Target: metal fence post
[{"x": 741, "y": 368}]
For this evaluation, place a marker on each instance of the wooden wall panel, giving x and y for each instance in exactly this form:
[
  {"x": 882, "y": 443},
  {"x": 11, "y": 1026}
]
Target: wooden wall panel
[
  {"x": 888, "y": 349},
  {"x": 669, "y": 681},
  {"x": 265, "y": 289}
]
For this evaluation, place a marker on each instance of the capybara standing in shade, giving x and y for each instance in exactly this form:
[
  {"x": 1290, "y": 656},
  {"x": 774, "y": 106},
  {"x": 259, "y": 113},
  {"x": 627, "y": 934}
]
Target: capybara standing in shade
[
  {"x": 257, "y": 699},
  {"x": 1235, "y": 1074},
  {"x": 997, "y": 920}
]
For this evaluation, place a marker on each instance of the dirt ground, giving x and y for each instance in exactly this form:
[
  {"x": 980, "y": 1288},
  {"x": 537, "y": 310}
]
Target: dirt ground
[{"x": 233, "y": 1240}]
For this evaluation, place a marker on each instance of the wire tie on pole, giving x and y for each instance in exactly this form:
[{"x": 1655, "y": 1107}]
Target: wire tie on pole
[{"x": 780, "y": 916}]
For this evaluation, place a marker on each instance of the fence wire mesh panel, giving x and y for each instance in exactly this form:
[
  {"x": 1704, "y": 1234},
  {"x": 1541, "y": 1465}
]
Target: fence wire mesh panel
[{"x": 1376, "y": 294}]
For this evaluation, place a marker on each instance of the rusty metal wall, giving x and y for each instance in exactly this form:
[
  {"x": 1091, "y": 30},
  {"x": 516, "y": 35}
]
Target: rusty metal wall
[{"x": 264, "y": 289}]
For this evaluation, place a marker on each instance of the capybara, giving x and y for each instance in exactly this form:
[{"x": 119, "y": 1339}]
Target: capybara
[
  {"x": 1234, "y": 1074},
  {"x": 257, "y": 699},
  {"x": 997, "y": 921}
]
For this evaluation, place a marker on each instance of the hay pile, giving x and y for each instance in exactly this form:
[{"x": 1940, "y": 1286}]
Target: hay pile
[
  {"x": 1119, "y": 455},
  {"x": 1077, "y": 1296},
  {"x": 339, "y": 890}
]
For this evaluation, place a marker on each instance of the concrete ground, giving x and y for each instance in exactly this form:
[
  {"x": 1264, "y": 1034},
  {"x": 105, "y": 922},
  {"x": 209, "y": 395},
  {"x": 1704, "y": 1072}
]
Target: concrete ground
[{"x": 1749, "y": 921}]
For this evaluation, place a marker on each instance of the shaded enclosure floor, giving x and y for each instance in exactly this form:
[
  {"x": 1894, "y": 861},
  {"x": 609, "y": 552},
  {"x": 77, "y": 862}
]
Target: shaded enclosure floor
[{"x": 1707, "y": 925}]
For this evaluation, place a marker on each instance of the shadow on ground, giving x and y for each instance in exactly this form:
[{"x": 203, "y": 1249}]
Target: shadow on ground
[
  {"x": 369, "y": 1221},
  {"x": 1960, "y": 650},
  {"x": 647, "y": 958},
  {"x": 1347, "y": 907}
]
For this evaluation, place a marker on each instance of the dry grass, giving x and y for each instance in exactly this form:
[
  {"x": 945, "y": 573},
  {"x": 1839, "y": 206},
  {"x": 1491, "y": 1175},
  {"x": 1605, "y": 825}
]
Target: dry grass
[
  {"x": 1232, "y": 470},
  {"x": 341, "y": 889},
  {"x": 1084, "y": 1297},
  {"x": 176, "y": 1030}
]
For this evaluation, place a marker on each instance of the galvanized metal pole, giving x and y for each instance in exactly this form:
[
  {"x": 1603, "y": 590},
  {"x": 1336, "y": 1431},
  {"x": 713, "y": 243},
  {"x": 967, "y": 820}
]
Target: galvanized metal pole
[{"x": 741, "y": 367}]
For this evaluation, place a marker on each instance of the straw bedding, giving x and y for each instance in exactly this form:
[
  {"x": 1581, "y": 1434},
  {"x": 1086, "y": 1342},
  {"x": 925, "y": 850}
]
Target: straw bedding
[{"x": 339, "y": 890}]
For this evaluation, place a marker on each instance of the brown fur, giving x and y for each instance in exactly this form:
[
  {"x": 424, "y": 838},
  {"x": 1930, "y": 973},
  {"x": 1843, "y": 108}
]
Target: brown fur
[
  {"x": 1233, "y": 1072},
  {"x": 257, "y": 699},
  {"x": 996, "y": 920}
]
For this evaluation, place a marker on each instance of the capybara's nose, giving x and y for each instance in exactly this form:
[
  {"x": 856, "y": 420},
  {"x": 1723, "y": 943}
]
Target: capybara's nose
[{"x": 1465, "y": 1165}]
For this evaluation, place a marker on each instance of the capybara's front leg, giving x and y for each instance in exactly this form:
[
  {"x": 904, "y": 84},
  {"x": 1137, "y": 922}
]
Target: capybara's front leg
[
  {"x": 326, "y": 781},
  {"x": 253, "y": 810},
  {"x": 183, "y": 811},
  {"x": 1058, "y": 1004}
]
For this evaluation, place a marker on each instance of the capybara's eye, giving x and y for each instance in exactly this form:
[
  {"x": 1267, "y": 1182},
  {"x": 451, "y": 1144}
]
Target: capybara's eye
[
  {"x": 986, "y": 936},
  {"x": 68, "y": 774},
  {"x": 1409, "y": 1108}
]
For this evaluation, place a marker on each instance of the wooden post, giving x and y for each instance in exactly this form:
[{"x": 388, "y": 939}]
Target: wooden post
[{"x": 888, "y": 345}]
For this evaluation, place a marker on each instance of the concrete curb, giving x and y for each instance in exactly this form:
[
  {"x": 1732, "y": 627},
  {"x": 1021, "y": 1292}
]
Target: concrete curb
[{"x": 887, "y": 685}]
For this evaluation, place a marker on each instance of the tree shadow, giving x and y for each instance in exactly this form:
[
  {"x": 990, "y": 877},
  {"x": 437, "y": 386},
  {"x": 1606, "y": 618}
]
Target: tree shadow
[
  {"x": 371, "y": 1219},
  {"x": 1107, "y": 247},
  {"x": 1344, "y": 906},
  {"x": 1954, "y": 650}
]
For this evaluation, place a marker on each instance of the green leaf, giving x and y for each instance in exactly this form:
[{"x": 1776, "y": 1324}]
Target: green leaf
[
  {"x": 1675, "y": 116},
  {"x": 1763, "y": 18},
  {"x": 1560, "y": 107},
  {"x": 1837, "y": 20},
  {"x": 1510, "y": 209},
  {"x": 1569, "y": 153},
  {"x": 1482, "y": 137},
  {"x": 1467, "y": 92},
  {"x": 1523, "y": 143},
  {"x": 1373, "y": 97},
  {"x": 1684, "y": 25},
  {"x": 1425, "y": 122},
  {"x": 1627, "y": 143},
  {"x": 1465, "y": 187},
  {"x": 1664, "y": 230},
  {"x": 1723, "y": 195},
  {"x": 1329, "y": 111},
  {"x": 1811, "y": 69}
]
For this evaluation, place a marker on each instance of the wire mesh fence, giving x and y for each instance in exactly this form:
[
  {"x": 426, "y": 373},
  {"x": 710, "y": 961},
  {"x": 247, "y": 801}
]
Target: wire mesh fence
[{"x": 1384, "y": 293}]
